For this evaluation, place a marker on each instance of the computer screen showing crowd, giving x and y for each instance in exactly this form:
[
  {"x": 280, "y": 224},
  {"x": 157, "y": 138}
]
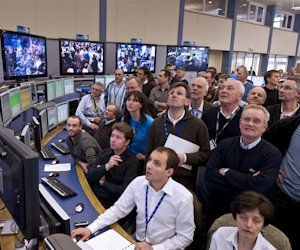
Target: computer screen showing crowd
[
  {"x": 23, "y": 55},
  {"x": 19, "y": 179},
  {"x": 81, "y": 57},
  {"x": 192, "y": 58},
  {"x": 132, "y": 56},
  {"x": 52, "y": 117},
  {"x": 62, "y": 112}
]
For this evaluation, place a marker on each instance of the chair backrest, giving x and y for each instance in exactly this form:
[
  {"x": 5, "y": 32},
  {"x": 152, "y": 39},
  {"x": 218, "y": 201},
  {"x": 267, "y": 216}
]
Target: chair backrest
[{"x": 272, "y": 234}]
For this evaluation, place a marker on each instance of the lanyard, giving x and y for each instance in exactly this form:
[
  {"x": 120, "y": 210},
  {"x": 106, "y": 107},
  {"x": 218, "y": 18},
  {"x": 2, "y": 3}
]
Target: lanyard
[
  {"x": 116, "y": 94},
  {"x": 155, "y": 209},
  {"x": 226, "y": 124},
  {"x": 94, "y": 104},
  {"x": 180, "y": 125}
]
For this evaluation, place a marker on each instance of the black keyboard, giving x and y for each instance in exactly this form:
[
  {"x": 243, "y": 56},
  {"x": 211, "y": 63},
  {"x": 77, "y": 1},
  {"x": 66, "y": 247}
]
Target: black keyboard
[
  {"x": 61, "y": 148},
  {"x": 47, "y": 153},
  {"x": 58, "y": 186}
]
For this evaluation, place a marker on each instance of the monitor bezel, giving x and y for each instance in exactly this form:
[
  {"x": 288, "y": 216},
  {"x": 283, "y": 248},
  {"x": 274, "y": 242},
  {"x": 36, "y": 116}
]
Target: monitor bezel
[
  {"x": 6, "y": 77},
  {"x": 80, "y": 74}
]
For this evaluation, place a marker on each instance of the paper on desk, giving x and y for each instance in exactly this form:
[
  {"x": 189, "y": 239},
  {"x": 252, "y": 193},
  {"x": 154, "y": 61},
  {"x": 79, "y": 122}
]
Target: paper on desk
[
  {"x": 180, "y": 145},
  {"x": 110, "y": 240},
  {"x": 57, "y": 167}
]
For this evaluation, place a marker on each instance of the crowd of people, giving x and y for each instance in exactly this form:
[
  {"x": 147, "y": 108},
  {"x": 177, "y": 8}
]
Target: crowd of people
[{"x": 181, "y": 154}]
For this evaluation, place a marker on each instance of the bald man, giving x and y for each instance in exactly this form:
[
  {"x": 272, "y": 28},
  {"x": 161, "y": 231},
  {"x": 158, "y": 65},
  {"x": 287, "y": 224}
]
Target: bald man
[{"x": 257, "y": 96}]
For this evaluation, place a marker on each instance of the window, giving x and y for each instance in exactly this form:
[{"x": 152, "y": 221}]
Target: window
[
  {"x": 249, "y": 60},
  {"x": 212, "y": 7},
  {"x": 250, "y": 11},
  {"x": 277, "y": 62},
  {"x": 283, "y": 20}
]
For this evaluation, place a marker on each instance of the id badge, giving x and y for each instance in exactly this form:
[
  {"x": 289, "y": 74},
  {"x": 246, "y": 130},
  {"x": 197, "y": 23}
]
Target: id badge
[{"x": 212, "y": 144}]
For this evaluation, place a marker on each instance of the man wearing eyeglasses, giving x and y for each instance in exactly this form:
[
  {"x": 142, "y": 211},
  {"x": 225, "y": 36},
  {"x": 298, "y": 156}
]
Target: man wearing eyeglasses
[
  {"x": 115, "y": 91},
  {"x": 91, "y": 107},
  {"x": 289, "y": 92}
]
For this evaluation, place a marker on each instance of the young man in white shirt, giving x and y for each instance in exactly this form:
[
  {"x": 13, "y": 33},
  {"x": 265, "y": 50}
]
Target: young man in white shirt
[{"x": 165, "y": 210}]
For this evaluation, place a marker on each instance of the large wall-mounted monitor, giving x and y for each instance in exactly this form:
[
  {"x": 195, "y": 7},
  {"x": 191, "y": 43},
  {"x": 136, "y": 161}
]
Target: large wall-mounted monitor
[
  {"x": 19, "y": 180},
  {"x": 5, "y": 108},
  {"x": 81, "y": 57},
  {"x": 192, "y": 58},
  {"x": 23, "y": 55},
  {"x": 132, "y": 56}
]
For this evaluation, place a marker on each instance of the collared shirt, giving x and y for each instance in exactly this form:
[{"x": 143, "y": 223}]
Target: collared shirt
[
  {"x": 285, "y": 115},
  {"x": 225, "y": 238},
  {"x": 174, "y": 122},
  {"x": 106, "y": 122},
  {"x": 231, "y": 114},
  {"x": 87, "y": 110},
  {"x": 197, "y": 113},
  {"x": 171, "y": 227},
  {"x": 157, "y": 94},
  {"x": 251, "y": 145},
  {"x": 116, "y": 93}
]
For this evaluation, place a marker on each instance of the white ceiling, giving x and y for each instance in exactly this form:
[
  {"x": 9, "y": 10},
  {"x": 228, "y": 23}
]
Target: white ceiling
[{"x": 285, "y": 5}]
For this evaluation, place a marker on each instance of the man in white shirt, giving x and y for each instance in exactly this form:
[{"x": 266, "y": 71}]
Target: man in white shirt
[
  {"x": 91, "y": 107},
  {"x": 165, "y": 210}
]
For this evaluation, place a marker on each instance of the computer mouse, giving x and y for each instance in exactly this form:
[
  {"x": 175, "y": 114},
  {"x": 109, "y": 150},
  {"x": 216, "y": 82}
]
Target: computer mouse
[
  {"x": 79, "y": 207},
  {"x": 55, "y": 161},
  {"x": 61, "y": 140},
  {"x": 53, "y": 174}
]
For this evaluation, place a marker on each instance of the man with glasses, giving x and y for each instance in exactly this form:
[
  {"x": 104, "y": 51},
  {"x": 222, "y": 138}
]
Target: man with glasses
[
  {"x": 83, "y": 147},
  {"x": 115, "y": 92},
  {"x": 289, "y": 93},
  {"x": 91, "y": 107}
]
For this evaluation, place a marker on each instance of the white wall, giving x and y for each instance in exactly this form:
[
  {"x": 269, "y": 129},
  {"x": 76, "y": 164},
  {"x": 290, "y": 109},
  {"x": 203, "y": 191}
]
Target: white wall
[
  {"x": 52, "y": 18},
  {"x": 251, "y": 37},
  {"x": 154, "y": 21},
  {"x": 207, "y": 30},
  {"x": 215, "y": 59},
  {"x": 284, "y": 42}
]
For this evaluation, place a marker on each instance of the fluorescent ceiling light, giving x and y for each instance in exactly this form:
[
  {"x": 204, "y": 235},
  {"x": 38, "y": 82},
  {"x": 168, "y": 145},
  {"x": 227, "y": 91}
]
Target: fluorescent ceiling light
[{"x": 296, "y": 8}]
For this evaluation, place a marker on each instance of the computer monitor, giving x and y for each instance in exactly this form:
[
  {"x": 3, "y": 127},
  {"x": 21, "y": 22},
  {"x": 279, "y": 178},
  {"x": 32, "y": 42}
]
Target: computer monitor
[
  {"x": 50, "y": 90},
  {"x": 34, "y": 94},
  {"x": 132, "y": 56},
  {"x": 69, "y": 85},
  {"x": 23, "y": 55},
  {"x": 15, "y": 101},
  {"x": 19, "y": 180},
  {"x": 59, "y": 88},
  {"x": 192, "y": 58},
  {"x": 62, "y": 112},
  {"x": 43, "y": 120},
  {"x": 25, "y": 135},
  {"x": 73, "y": 104},
  {"x": 52, "y": 117},
  {"x": 81, "y": 57},
  {"x": 36, "y": 126},
  {"x": 5, "y": 108},
  {"x": 25, "y": 96},
  {"x": 258, "y": 81}
]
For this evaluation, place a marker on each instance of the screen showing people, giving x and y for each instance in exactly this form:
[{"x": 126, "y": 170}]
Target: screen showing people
[
  {"x": 24, "y": 55},
  {"x": 191, "y": 58},
  {"x": 132, "y": 56},
  {"x": 81, "y": 57}
]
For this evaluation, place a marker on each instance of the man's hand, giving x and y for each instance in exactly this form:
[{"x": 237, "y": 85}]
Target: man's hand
[
  {"x": 281, "y": 176},
  {"x": 94, "y": 126},
  {"x": 84, "y": 166},
  {"x": 82, "y": 231},
  {"x": 140, "y": 157},
  {"x": 181, "y": 158},
  {"x": 223, "y": 171},
  {"x": 113, "y": 162},
  {"x": 143, "y": 246},
  {"x": 102, "y": 180},
  {"x": 97, "y": 120}
]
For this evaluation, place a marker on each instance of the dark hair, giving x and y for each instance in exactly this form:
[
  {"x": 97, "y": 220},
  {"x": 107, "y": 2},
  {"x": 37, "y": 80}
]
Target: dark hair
[
  {"x": 76, "y": 117},
  {"x": 148, "y": 74},
  {"x": 173, "y": 160},
  {"x": 138, "y": 96},
  {"x": 212, "y": 69},
  {"x": 212, "y": 73},
  {"x": 224, "y": 76},
  {"x": 269, "y": 74},
  {"x": 250, "y": 200},
  {"x": 184, "y": 85},
  {"x": 166, "y": 73},
  {"x": 125, "y": 129},
  {"x": 180, "y": 68}
]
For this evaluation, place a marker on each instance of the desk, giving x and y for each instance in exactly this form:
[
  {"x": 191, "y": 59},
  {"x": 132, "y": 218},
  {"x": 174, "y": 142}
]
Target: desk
[{"x": 76, "y": 180}]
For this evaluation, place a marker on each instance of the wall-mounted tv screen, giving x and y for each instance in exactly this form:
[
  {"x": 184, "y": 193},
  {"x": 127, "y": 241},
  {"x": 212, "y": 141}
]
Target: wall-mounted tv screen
[
  {"x": 132, "y": 56},
  {"x": 24, "y": 55},
  {"x": 192, "y": 58},
  {"x": 81, "y": 57}
]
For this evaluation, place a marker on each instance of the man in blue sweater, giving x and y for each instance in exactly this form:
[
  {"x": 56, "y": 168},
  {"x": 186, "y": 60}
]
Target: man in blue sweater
[{"x": 241, "y": 163}]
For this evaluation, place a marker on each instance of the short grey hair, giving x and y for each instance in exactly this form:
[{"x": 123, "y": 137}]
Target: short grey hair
[
  {"x": 258, "y": 107},
  {"x": 203, "y": 80},
  {"x": 238, "y": 83}
]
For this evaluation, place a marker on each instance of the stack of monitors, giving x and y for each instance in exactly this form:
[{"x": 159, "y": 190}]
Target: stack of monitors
[
  {"x": 52, "y": 117},
  {"x": 25, "y": 96},
  {"x": 69, "y": 85},
  {"x": 5, "y": 108},
  {"x": 62, "y": 112},
  {"x": 56, "y": 88}
]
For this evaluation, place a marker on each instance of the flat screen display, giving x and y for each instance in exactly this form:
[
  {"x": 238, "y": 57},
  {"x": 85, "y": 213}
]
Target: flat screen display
[
  {"x": 15, "y": 101},
  {"x": 59, "y": 88},
  {"x": 24, "y": 55},
  {"x": 51, "y": 90},
  {"x": 25, "y": 96},
  {"x": 62, "y": 112},
  {"x": 81, "y": 57},
  {"x": 44, "y": 122},
  {"x": 52, "y": 117},
  {"x": 69, "y": 86},
  {"x": 5, "y": 108},
  {"x": 192, "y": 58},
  {"x": 132, "y": 56}
]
